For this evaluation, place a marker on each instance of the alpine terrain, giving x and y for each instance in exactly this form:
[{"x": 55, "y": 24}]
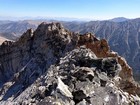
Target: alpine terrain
[
  {"x": 123, "y": 37},
  {"x": 53, "y": 66}
]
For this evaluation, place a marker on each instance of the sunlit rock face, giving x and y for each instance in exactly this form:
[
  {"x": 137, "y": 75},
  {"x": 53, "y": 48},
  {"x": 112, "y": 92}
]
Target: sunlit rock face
[
  {"x": 52, "y": 65},
  {"x": 123, "y": 37}
]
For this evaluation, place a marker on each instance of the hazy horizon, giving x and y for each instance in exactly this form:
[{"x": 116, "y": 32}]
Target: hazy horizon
[
  {"x": 9, "y": 18},
  {"x": 80, "y": 9}
]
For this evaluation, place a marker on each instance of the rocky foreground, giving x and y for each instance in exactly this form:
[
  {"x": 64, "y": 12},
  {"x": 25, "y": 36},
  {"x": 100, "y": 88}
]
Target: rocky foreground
[{"x": 52, "y": 66}]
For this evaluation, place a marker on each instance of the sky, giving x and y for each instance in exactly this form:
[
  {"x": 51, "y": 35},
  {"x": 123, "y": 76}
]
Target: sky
[{"x": 90, "y": 9}]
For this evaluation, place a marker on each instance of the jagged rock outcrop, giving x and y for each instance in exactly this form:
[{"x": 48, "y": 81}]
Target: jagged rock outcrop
[
  {"x": 101, "y": 49},
  {"x": 123, "y": 37},
  {"x": 40, "y": 68}
]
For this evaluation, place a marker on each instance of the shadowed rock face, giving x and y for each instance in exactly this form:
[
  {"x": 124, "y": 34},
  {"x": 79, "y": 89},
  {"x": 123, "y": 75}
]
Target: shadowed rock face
[{"x": 48, "y": 67}]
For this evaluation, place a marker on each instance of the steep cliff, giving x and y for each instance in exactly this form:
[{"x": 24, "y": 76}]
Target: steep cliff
[{"x": 48, "y": 66}]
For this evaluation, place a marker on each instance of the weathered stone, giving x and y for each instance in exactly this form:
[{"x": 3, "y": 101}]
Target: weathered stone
[{"x": 55, "y": 66}]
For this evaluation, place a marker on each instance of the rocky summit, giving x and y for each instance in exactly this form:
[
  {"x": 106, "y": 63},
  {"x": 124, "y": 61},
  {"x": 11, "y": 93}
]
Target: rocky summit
[{"x": 53, "y": 66}]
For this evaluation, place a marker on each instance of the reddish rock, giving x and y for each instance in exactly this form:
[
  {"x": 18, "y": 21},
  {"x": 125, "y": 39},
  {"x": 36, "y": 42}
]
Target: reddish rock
[{"x": 102, "y": 49}]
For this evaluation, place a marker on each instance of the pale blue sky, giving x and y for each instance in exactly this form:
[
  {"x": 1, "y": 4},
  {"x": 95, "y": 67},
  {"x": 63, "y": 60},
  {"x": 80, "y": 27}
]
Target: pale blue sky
[{"x": 95, "y": 9}]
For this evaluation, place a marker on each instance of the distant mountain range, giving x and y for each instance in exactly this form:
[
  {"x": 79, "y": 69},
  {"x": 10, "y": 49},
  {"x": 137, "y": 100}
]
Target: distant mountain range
[
  {"x": 18, "y": 27},
  {"x": 119, "y": 19},
  {"x": 5, "y": 18},
  {"x": 2, "y": 39},
  {"x": 122, "y": 34},
  {"x": 8, "y": 37}
]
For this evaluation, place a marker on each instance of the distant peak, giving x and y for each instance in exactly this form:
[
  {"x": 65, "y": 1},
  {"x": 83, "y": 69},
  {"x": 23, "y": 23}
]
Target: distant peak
[{"x": 119, "y": 19}]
